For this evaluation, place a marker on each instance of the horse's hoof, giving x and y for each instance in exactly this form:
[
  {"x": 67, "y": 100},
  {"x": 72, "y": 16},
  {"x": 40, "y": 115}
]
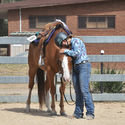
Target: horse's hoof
[
  {"x": 40, "y": 108},
  {"x": 63, "y": 114},
  {"x": 27, "y": 108},
  {"x": 53, "y": 113},
  {"x": 49, "y": 111}
]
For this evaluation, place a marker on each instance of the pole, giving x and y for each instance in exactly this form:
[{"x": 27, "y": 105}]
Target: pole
[
  {"x": 101, "y": 83},
  {"x": 20, "y": 18}
]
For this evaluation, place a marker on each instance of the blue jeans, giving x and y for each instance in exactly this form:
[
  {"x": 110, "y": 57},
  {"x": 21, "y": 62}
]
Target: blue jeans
[{"x": 81, "y": 78}]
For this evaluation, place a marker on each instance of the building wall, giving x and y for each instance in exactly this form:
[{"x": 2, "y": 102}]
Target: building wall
[
  {"x": 116, "y": 8},
  {"x": 13, "y": 21},
  {"x": 71, "y": 12}
]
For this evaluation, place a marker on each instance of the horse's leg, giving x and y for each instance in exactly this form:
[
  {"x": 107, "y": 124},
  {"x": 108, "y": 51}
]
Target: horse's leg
[
  {"x": 48, "y": 96},
  {"x": 32, "y": 72},
  {"x": 33, "y": 58},
  {"x": 50, "y": 82},
  {"x": 53, "y": 92},
  {"x": 62, "y": 90},
  {"x": 28, "y": 101}
]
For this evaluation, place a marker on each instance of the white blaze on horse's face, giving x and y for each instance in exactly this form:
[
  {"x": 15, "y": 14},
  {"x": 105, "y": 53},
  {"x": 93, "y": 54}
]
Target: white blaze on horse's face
[{"x": 66, "y": 73}]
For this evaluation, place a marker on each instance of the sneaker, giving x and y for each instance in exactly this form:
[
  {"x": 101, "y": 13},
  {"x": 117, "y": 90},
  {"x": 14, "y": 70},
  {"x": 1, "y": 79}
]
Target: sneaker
[{"x": 89, "y": 117}]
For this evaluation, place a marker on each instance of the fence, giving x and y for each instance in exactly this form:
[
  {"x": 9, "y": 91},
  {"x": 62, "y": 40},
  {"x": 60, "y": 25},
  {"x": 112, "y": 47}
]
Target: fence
[{"x": 93, "y": 58}]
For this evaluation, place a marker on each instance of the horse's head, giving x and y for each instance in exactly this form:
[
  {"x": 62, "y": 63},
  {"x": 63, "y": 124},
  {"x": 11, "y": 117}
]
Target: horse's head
[{"x": 65, "y": 64}]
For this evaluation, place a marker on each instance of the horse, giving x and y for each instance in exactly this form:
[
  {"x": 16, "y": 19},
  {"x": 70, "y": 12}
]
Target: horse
[{"x": 54, "y": 62}]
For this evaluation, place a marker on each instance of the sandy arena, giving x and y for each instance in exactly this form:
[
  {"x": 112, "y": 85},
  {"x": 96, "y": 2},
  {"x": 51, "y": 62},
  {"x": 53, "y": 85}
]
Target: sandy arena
[{"x": 106, "y": 114}]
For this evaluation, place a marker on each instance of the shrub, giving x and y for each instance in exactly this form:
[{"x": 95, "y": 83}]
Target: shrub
[{"x": 109, "y": 87}]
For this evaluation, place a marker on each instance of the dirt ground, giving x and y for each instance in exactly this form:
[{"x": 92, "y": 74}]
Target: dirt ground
[{"x": 106, "y": 113}]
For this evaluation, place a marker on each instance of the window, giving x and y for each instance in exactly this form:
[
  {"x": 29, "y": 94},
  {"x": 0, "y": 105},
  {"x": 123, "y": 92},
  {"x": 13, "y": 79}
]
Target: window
[
  {"x": 96, "y": 22},
  {"x": 40, "y": 21},
  {"x": 4, "y": 50},
  {"x": 3, "y": 27},
  {"x": 32, "y": 22}
]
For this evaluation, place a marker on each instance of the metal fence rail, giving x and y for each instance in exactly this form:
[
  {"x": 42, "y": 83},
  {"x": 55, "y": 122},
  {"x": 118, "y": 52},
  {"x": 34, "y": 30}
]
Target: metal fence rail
[
  {"x": 93, "y": 58},
  {"x": 86, "y": 39},
  {"x": 94, "y": 78}
]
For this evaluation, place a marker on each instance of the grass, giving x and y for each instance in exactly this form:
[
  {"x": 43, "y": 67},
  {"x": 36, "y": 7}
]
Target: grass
[
  {"x": 13, "y": 69},
  {"x": 22, "y": 70}
]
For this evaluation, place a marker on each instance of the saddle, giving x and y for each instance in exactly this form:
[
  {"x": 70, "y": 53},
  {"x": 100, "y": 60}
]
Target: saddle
[{"x": 44, "y": 36}]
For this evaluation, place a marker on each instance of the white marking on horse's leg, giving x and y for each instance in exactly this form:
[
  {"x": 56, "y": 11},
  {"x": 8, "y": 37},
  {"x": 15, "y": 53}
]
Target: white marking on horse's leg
[
  {"x": 65, "y": 67},
  {"x": 48, "y": 100},
  {"x": 40, "y": 60}
]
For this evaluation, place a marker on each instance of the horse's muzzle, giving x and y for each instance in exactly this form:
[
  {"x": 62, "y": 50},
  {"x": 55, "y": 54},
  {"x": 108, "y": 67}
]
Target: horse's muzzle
[{"x": 66, "y": 80}]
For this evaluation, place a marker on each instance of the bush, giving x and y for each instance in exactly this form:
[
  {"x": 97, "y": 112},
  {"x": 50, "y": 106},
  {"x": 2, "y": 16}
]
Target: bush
[{"x": 108, "y": 87}]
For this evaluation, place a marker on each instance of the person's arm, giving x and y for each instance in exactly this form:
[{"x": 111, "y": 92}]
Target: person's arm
[
  {"x": 70, "y": 52},
  {"x": 73, "y": 53},
  {"x": 76, "y": 49}
]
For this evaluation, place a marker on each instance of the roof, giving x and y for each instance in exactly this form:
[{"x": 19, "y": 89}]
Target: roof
[{"x": 42, "y": 3}]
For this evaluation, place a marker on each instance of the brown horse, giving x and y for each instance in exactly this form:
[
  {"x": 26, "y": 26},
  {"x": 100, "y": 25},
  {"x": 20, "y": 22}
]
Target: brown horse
[{"x": 54, "y": 62}]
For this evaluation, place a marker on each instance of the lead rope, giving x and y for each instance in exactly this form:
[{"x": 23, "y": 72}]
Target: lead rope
[{"x": 70, "y": 94}]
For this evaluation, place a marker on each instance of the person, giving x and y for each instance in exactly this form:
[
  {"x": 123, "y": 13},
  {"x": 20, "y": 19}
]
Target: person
[{"x": 81, "y": 73}]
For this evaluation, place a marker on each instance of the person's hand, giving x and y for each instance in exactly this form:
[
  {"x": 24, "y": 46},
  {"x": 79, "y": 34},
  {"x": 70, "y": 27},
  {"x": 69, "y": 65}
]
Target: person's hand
[{"x": 62, "y": 50}]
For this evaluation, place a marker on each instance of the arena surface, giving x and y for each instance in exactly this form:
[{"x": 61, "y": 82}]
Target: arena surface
[{"x": 107, "y": 113}]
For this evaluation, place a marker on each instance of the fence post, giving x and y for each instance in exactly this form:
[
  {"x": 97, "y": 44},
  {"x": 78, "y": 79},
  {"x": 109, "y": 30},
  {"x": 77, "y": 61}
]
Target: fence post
[{"x": 101, "y": 83}]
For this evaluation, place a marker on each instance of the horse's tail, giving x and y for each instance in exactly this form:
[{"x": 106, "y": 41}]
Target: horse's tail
[{"x": 41, "y": 86}]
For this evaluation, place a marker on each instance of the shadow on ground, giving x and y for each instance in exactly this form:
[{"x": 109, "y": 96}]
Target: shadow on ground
[{"x": 33, "y": 112}]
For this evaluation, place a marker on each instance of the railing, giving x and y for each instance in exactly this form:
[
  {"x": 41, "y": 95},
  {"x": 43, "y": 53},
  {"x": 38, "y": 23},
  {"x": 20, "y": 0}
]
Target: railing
[
  {"x": 9, "y": 1},
  {"x": 93, "y": 58}
]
